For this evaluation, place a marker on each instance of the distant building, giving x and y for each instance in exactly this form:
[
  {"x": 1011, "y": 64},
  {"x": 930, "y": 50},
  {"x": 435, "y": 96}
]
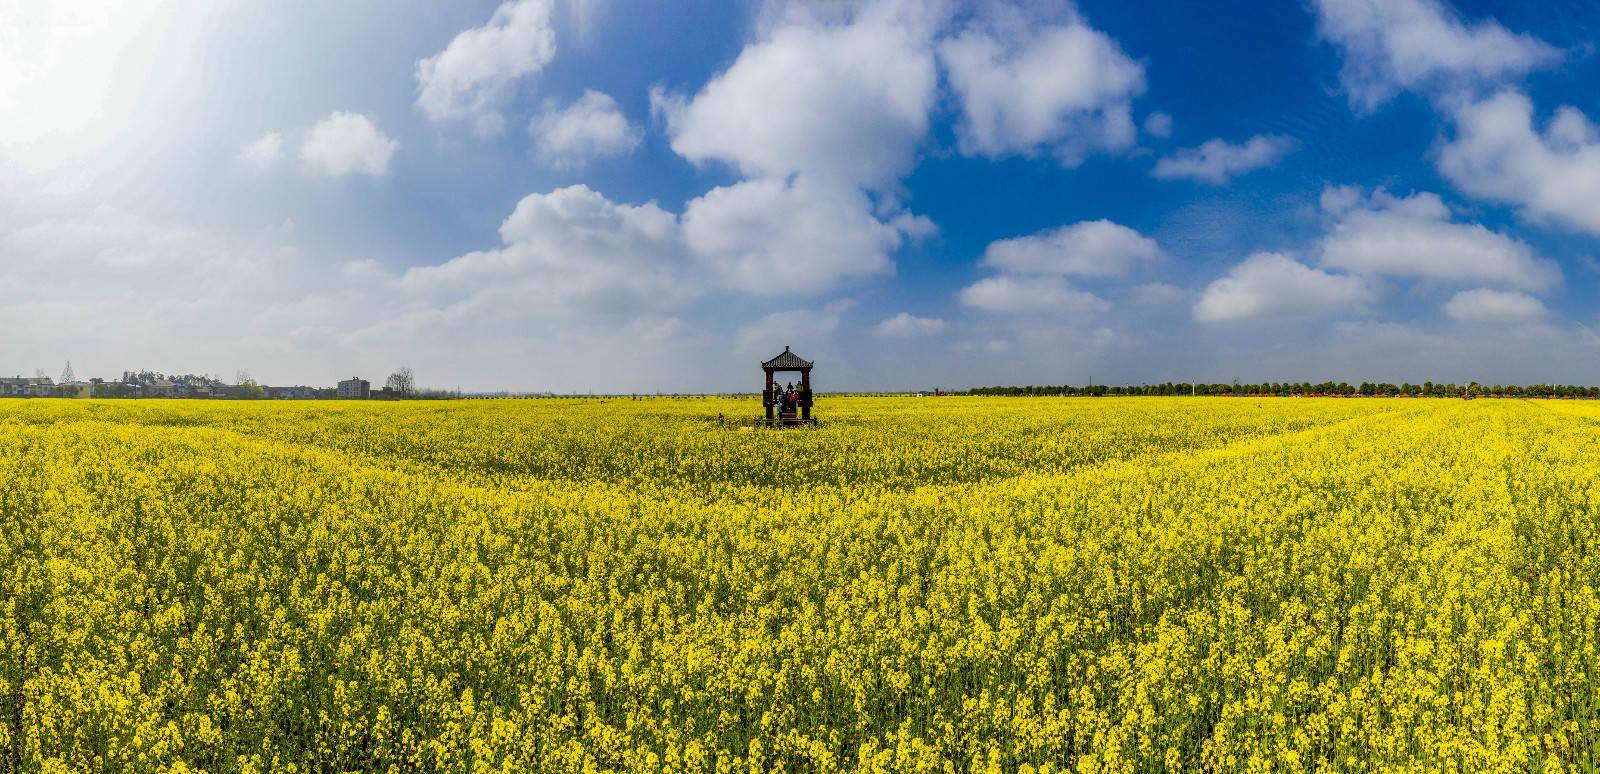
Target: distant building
[
  {"x": 75, "y": 389},
  {"x": 26, "y": 386},
  {"x": 355, "y": 387},
  {"x": 297, "y": 392},
  {"x": 161, "y": 388}
]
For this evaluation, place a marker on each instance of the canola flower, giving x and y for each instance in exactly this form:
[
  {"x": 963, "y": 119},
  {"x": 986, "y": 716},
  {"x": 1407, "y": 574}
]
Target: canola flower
[{"x": 917, "y": 585}]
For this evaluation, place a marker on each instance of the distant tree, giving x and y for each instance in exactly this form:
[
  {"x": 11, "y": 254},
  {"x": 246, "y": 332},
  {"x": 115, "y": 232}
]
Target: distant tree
[
  {"x": 241, "y": 376},
  {"x": 248, "y": 389},
  {"x": 67, "y": 375},
  {"x": 402, "y": 382},
  {"x": 38, "y": 373}
]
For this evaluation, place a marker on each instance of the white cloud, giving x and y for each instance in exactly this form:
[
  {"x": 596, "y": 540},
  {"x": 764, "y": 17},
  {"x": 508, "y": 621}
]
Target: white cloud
[
  {"x": 1551, "y": 175},
  {"x": 1339, "y": 199},
  {"x": 263, "y": 153},
  {"x": 771, "y": 236},
  {"x": 906, "y": 325},
  {"x": 1494, "y": 306},
  {"x": 1395, "y": 45},
  {"x": 915, "y": 227},
  {"x": 570, "y": 249},
  {"x": 1414, "y": 237},
  {"x": 1097, "y": 248},
  {"x": 1026, "y": 87},
  {"x": 1217, "y": 161},
  {"x": 839, "y": 102},
  {"x": 475, "y": 72},
  {"x": 826, "y": 105},
  {"x": 590, "y": 128},
  {"x": 1158, "y": 124},
  {"x": 347, "y": 143},
  {"x": 1007, "y": 294},
  {"x": 1274, "y": 285}
]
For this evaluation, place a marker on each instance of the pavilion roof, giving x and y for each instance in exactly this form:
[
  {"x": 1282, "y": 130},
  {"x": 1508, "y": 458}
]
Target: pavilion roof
[{"x": 786, "y": 360}]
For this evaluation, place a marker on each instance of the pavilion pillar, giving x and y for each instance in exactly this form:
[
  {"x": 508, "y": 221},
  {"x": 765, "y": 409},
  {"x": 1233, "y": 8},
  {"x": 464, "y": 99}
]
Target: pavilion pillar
[
  {"x": 805, "y": 394},
  {"x": 766, "y": 397}
]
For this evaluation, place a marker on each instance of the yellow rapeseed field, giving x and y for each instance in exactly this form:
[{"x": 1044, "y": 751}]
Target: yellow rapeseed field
[{"x": 944, "y": 584}]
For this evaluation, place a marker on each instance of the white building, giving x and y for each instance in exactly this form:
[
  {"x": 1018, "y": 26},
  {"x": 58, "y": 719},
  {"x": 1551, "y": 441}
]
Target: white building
[{"x": 355, "y": 387}]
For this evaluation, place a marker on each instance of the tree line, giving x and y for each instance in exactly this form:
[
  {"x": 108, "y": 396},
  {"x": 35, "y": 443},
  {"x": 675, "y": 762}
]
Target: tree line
[
  {"x": 1369, "y": 389},
  {"x": 400, "y": 384}
]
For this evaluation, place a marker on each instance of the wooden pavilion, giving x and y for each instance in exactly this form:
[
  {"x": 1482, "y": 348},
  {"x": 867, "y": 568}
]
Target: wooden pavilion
[{"x": 786, "y": 408}]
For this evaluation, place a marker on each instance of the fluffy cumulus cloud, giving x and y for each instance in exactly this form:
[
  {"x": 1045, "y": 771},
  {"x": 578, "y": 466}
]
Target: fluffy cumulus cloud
[
  {"x": 592, "y": 127},
  {"x": 822, "y": 114},
  {"x": 844, "y": 102},
  {"x": 1028, "y": 87},
  {"x": 1007, "y": 294},
  {"x": 1218, "y": 161},
  {"x": 1415, "y": 237},
  {"x": 473, "y": 75},
  {"x": 773, "y": 236},
  {"x": 906, "y": 325},
  {"x": 1097, "y": 248},
  {"x": 1395, "y": 45},
  {"x": 1486, "y": 305},
  {"x": 568, "y": 250},
  {"x": 575, "y": 251},
  {"x": 1032, "y": 269},
  {"x": 1551, "y": 174},
  {"x": 1274, "y": 285},
  {"x": 846, "y": 92},
  {"x": 345, "y": 144}
]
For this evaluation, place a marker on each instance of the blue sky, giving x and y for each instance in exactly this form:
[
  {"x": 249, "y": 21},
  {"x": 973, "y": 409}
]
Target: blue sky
[{"x": 598, "y": 195}]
